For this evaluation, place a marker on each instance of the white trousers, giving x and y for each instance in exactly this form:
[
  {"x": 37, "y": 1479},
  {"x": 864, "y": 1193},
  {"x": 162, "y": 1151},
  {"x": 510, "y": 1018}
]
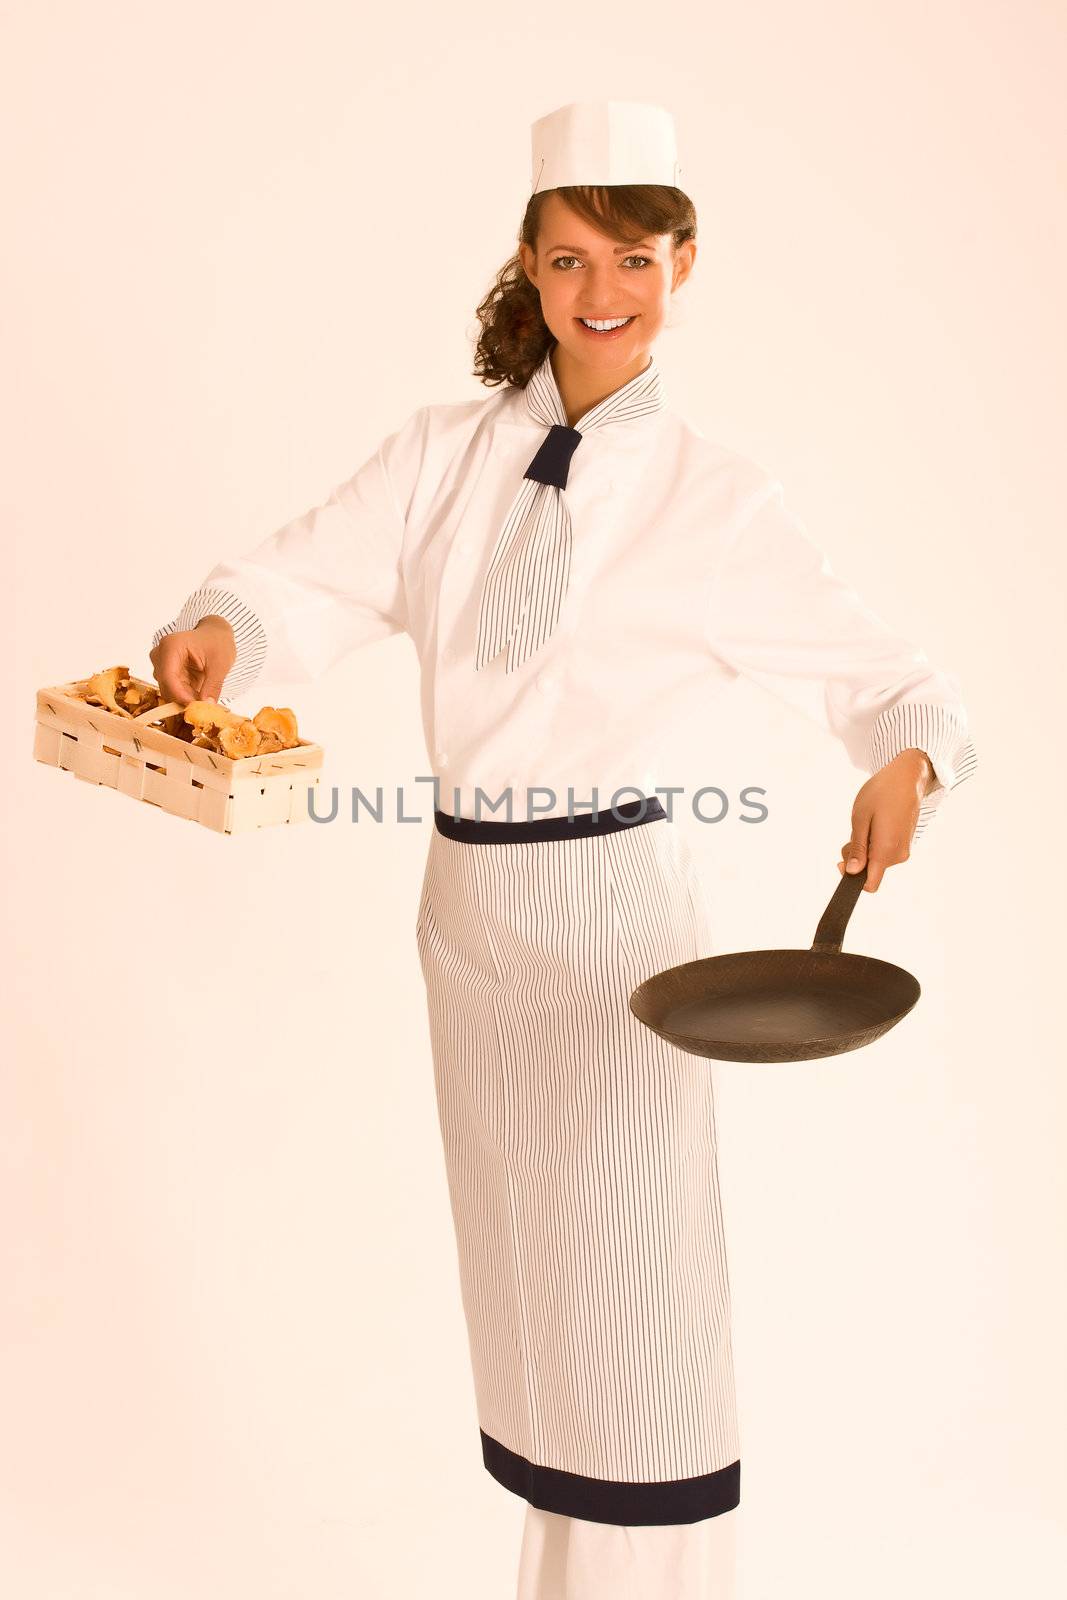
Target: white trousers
[{"x": 566, "y": 1558}]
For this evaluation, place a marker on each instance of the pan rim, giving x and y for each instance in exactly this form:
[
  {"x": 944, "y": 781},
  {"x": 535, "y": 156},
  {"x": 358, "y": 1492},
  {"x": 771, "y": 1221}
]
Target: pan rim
[{"x": 851, "y": 955}]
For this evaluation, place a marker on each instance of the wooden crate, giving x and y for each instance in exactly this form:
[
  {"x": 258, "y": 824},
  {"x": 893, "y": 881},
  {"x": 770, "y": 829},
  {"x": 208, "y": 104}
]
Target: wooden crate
[{"x": 145, "y": 763}]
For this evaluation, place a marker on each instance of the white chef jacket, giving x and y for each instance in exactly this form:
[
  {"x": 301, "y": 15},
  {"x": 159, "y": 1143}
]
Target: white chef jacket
[{"x": 688, "y": 570}]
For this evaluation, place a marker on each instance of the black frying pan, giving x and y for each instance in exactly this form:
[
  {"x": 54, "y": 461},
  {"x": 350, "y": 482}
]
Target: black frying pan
[{"x": 780, "y": 1005}]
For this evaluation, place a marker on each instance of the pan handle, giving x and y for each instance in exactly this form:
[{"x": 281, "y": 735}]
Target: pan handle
[{"x": 830, "y": 933}]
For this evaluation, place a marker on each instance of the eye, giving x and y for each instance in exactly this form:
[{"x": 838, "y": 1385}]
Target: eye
[{"x": 646, "y": 261}]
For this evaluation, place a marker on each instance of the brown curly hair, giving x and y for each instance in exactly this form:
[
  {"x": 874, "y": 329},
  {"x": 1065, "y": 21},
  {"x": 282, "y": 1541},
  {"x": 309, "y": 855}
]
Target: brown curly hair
[{"x": 515, "y": 337}]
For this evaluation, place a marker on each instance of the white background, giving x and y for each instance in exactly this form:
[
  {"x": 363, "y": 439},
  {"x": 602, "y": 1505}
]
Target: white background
[{"x": 242, "y": 243}]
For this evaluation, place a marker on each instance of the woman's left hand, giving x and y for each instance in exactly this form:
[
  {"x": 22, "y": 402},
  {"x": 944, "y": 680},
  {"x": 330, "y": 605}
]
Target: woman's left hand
[{"x": 885, "y": 814}]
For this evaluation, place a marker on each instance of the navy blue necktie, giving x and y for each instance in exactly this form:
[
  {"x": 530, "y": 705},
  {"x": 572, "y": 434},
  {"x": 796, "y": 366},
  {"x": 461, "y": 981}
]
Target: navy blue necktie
[
  {"x": 552, "y": 461},
  {"x": 528, "y": 575}
]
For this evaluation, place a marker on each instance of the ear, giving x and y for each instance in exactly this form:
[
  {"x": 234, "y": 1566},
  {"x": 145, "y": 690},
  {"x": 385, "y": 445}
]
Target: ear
[
  {"x": 684, "y": 259},
  {"x": 529, "y": 262}
]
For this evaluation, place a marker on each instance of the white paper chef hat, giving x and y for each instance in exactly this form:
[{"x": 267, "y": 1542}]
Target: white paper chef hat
[{"x": 604, "y": 142}]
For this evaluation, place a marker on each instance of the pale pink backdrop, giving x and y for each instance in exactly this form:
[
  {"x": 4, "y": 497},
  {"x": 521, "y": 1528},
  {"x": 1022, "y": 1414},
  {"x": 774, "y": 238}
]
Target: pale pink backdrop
[{"x": 242, "y": 243}]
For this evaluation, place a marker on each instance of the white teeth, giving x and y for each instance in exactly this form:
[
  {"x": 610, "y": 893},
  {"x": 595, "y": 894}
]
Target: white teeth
[{"x": 616, "y": 322}]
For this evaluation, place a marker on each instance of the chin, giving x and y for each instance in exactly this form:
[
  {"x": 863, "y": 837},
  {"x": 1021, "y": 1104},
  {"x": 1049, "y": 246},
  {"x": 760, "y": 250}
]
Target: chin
[{"x": 612, "y": 353}]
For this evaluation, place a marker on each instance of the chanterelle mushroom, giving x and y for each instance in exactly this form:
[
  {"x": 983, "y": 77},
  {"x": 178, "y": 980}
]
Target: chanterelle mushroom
[
  {"x": 205, "y": 714},
  {"x": 279, "y": 720},
  {"x": 101, "y": 688},
  {"x": 136, "y": 697},
  {"x": 239, "y": 741}
]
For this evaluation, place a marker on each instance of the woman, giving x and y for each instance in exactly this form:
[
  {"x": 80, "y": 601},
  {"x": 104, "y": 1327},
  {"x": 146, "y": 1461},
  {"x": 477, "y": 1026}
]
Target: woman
[{"x": 580, "y": 569}]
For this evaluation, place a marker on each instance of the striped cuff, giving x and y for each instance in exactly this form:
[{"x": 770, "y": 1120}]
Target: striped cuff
[
  {"x": 940, "y": 731},
  {"x": 248, "y": 633}
]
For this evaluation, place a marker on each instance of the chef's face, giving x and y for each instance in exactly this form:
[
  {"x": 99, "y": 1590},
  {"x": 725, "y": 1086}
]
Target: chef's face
[{"x": 583, "y": 275}]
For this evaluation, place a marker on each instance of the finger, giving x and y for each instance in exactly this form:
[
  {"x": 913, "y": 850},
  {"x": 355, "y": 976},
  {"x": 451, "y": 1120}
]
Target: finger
[
  {"x": 875, "y": 868},
  {"x": 179, "y": 671},
  {"x": 887, "y": 848},
  {"x": 213, "y": 681},
  {"x": 856, "y": 849},
  {"x": 882, "y": 853},
  {"x": 180, "y": 683}
]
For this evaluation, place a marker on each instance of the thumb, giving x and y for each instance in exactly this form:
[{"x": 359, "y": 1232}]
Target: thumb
[
  {"x": 180, "y": 688},
  {"x": 214, "y": 678},
  {"x": 857, "y": 850}
]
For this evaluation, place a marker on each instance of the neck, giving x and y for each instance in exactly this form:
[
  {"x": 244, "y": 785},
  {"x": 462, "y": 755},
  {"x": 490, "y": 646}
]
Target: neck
[{"x": 581, "y": 387}]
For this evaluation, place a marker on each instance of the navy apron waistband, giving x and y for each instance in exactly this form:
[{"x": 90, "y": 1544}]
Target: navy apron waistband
[{"x": 476, "y": 830}]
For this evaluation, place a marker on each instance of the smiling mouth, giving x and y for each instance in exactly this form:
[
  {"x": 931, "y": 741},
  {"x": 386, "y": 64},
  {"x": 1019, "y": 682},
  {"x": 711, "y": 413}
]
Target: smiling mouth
[{"x": 604, "y": 326}]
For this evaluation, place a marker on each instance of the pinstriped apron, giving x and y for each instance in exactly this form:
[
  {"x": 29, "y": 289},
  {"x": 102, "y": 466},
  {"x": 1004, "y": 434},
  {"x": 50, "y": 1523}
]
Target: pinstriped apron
[{"x": 581, "y": 1156}]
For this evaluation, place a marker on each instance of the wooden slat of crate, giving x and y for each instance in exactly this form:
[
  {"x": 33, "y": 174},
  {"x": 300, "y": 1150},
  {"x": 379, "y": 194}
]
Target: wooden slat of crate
[
  {"x": 214, "y": 810},
  {"x": 130, "y": 776}
]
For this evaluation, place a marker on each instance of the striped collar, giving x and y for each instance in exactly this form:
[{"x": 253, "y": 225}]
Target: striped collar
[{"x": 641, "y": 396}]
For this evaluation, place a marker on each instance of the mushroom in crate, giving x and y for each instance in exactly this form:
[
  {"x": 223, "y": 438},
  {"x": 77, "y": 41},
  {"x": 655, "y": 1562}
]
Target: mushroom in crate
[{"x": 201, "y": 761}]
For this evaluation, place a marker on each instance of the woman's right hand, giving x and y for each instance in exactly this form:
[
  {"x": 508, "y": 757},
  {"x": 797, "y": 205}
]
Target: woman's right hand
[{"x": 193, "y": 665}]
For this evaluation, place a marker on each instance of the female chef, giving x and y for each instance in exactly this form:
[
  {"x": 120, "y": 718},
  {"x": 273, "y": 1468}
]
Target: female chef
[{"x": 580, "y": 570}]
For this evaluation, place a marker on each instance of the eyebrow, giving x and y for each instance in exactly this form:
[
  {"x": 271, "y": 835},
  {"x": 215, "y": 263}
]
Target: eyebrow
[{"x": 575, "y": 250}]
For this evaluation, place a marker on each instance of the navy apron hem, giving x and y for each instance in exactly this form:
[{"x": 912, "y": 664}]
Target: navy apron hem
[
  {"x": 478, "y": 830},
  {"x": 570, "y": 1494}
]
